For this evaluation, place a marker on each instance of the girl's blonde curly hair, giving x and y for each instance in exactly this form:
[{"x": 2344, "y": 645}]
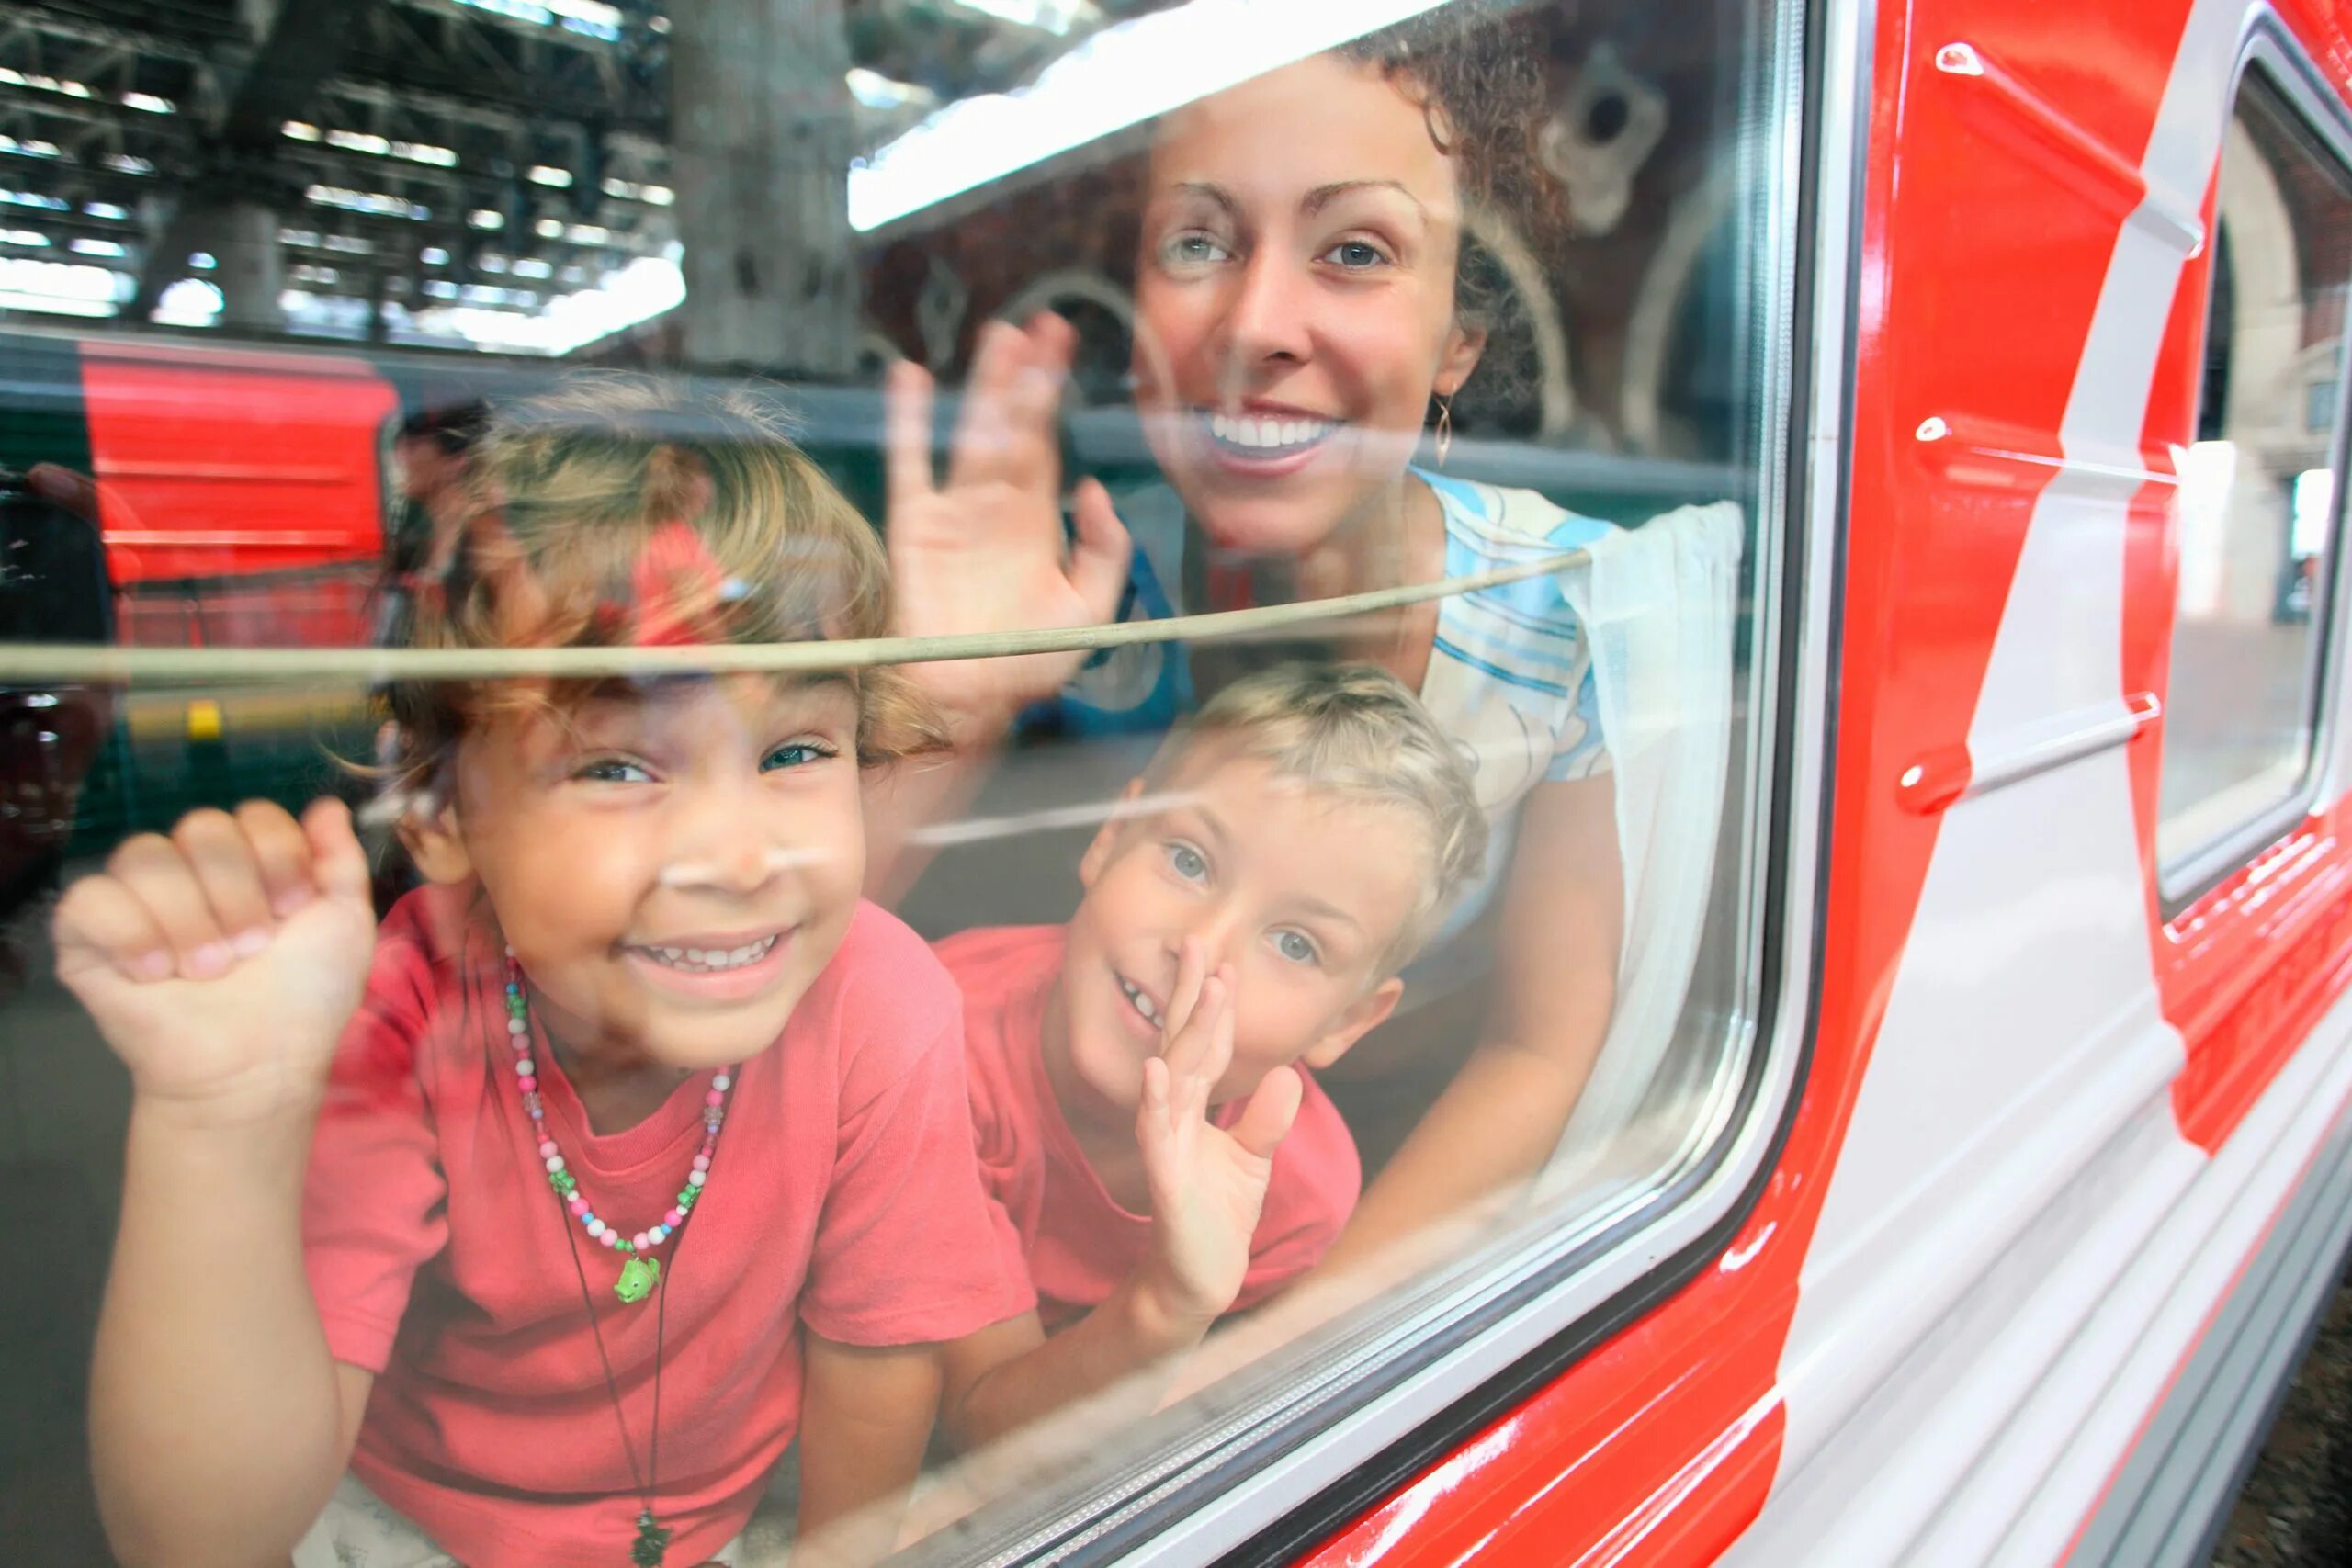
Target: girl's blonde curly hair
[{"x": 618, "y": 511}]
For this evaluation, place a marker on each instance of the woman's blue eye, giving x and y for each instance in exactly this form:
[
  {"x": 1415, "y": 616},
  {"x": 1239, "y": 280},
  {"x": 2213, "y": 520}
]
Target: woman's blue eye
[
  {"x": 796, "y": 754},
  {"x": 1356, "y": 254},
  {"x": 1296, "y": 946},
  {"x": 1187, "y": 862},
  {"x": 613, "y": 770},
  {"x": 1192, "y": 248}
]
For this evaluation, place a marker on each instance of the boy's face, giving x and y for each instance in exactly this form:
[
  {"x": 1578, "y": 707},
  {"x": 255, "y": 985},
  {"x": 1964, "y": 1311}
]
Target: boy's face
[
  {"x": 671, "y": 868},
  {"x": 1302, "y": 893}
]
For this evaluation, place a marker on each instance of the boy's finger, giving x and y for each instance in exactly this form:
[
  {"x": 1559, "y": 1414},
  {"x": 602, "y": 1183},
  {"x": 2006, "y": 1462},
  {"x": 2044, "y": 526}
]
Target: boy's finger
[
  {"x": 222, "y": 862},
  {"x": 1266, "y": 1119},
  {"x": 154, "y": 872},
  {"x": 98, "y": 919},
  {"x": 1098, "y": 564},
  {"x": 1152, "y": 1114},
  {"x": 1182, "y": 998},
  {"x": 281, "y": 851},
  {"x": 905, "y": 435},
  {"x": 338, "y": 863},
  {"x": 1217, "y": 1019}
]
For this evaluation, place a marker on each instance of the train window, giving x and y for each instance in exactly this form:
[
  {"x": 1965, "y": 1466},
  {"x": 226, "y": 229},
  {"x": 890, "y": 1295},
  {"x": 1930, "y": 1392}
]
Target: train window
[
  {"x": 1094, "y": 682},
  {"x": 2258, "y": 513}
]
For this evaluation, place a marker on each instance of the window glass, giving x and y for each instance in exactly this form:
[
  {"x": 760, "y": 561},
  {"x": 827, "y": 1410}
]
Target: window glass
[
  {"x": 2258, "y": 504},
  {"x": 571, "y": 1028}
]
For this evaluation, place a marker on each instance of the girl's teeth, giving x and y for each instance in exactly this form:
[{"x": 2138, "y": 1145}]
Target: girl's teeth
[{"x": 711, "y": 959}]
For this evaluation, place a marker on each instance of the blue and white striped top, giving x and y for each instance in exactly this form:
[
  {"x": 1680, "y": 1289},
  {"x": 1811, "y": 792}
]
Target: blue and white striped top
[{"x": 1510, "y": 677}]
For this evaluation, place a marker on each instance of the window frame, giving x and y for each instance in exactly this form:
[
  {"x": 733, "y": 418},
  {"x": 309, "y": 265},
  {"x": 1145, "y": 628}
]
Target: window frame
[
  {"x": 1254, "y": 1492},
  {"x": 2269, "y": 51}
]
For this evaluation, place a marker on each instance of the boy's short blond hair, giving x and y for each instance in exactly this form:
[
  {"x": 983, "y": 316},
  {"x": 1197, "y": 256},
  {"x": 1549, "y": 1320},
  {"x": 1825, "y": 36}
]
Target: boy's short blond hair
[
  {"x": 1352, "y": 732},
  {"x": 575, "y": 497}
]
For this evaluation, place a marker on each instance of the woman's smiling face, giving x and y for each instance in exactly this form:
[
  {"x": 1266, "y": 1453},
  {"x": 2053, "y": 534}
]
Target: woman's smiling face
[{"x": 1295, "y": 301}]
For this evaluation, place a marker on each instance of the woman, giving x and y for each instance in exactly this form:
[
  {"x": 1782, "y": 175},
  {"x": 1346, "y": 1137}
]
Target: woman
[{"x": 1304, "y": 304}]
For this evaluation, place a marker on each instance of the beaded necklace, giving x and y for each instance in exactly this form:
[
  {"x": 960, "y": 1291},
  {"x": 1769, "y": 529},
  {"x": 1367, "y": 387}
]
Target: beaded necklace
[
  {"x": 639, "y": 1272},
  {"x": 641, "y": 1275}
]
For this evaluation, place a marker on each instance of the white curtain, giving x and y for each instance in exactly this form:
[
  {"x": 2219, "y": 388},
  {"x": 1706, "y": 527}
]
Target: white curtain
[{"x": 1658, "y": 603}]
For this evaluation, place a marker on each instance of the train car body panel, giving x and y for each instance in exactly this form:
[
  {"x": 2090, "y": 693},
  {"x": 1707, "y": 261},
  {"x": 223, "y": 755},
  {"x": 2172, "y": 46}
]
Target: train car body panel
[
  {"x": 2055, "y": 1113},
  {"x": 171, "y": 438}
]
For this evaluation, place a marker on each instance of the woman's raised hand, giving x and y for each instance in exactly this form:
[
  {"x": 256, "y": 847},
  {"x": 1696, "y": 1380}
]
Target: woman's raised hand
[
  {"x": 984, "y": 551},
  {"x": 222, "y": 963}
]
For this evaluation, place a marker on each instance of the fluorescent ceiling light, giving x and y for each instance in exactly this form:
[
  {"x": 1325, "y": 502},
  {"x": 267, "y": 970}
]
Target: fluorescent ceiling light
[
  {"x": 643, "y": 290},
  {"x": 190, "y": 302},
  {"x": 71, "y": 288},
  {"x": 1121, "y": 76},
  {"x": 1053, "y": 16},
  {"x": 877, "y": 91}
]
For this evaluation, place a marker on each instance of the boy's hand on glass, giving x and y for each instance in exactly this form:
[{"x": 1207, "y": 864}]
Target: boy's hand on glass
[
  {"x": 222, "y": 963},
  {"x": 1208, "y": 1183},
  {"x": 985, "y": 551}
]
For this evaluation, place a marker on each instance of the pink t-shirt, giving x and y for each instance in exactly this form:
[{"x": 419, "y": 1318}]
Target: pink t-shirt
[
  {"x": 842, "y": 1195},
  {"x": 1079, "y": 1242}
]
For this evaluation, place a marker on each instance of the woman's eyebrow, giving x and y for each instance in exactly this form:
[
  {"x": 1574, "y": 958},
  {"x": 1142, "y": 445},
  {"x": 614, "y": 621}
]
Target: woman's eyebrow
[
  {"x": 1323, "y": 195},
  {"x": 1210, "y": 191}
]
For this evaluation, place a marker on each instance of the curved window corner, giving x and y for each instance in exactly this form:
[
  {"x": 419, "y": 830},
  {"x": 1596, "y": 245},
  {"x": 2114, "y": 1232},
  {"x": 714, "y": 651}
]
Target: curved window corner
[{"x": 2259, "y": 508}]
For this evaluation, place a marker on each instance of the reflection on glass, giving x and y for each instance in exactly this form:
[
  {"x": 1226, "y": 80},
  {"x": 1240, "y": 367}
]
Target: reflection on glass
[
  {"x": 2257, "y": 497},
  {"x": 773, "y": 1092}
]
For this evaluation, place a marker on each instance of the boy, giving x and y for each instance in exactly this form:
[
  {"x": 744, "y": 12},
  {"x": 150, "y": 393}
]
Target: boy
[{"x": 1244, "y": 919}]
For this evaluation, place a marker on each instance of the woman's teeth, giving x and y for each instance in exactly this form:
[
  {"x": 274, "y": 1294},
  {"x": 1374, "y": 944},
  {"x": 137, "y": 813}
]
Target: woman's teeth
[
  {"x": 709, "y": 960},
  {"x": 1143, "y": 1002},
  {"x": 1268, "y": 435}
]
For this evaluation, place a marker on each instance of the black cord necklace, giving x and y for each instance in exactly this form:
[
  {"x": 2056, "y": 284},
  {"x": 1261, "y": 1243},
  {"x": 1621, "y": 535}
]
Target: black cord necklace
[{"x": 652, "y": 1543}]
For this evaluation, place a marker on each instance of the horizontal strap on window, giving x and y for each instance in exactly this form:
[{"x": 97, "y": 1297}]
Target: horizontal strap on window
[{"x": 25, "y": 663}]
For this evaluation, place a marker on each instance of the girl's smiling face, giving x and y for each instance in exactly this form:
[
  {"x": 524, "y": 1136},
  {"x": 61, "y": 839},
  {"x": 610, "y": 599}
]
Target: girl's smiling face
[
  {"x": 1295, "y": 301},
  {"x": 672, "y": 867}
]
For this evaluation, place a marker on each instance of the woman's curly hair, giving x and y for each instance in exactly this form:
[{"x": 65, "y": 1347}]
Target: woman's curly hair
[{"x": 1474, "y": 71}]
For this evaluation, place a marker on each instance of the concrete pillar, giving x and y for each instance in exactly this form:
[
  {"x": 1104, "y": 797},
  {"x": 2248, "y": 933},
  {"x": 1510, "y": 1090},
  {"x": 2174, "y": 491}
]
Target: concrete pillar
[
  {"x": 250, "y": 270},
  {"x": 761, "y": 139}
]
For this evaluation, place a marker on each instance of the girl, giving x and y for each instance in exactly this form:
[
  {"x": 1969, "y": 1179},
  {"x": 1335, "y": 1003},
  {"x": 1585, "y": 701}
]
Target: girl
[
  {"x": 640, "y": 1145},
  {"x": 1304, "y": 306}
]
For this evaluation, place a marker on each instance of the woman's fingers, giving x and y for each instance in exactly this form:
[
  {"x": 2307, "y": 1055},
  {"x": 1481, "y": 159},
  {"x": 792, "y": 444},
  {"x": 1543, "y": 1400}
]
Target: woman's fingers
[
  {"x": 1098, "y": 566},
  {"x": 1052, "y": 341},
  {"x": 906, "y": 435},
  {"x": 984, "y": 425},
  {"x": 1034, "y": 402}
]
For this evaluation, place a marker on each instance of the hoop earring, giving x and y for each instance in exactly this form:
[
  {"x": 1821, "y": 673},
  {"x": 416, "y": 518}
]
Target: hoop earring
[{"x": 1444, "y": 429}]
